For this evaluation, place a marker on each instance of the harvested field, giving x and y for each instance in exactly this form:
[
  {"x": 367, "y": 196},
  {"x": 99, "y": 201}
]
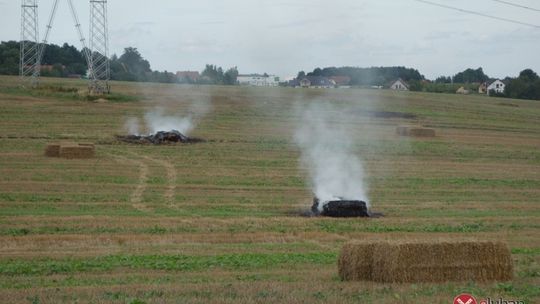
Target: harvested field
[
  {"x": 426, "y": 262},
  {"x": 217, "y": 221}
]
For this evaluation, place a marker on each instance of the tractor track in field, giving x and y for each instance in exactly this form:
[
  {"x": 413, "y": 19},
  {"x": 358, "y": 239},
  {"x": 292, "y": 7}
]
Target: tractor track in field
[
  {"x": 142, "y": 162},
  {"x": 171, "y": 178},
  {"x": 142, "y": 183}
]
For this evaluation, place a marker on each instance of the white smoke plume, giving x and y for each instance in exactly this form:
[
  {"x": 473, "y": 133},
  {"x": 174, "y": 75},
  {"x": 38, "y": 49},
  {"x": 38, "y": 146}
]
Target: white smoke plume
[
  {"x": 327, "y": 151},
  {"x": 132, "y": 126},
  {"x": 167, "y": 118},
  {"x": 156, "y": 120}
]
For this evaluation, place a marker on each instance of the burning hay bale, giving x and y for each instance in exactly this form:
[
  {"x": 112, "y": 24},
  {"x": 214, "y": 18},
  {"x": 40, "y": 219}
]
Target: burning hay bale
[
  {"x": 159, "y": 138},
  {"x": 425, "y": 262},
  {"x": 340, "y": 208},
  {"x": 415, "y": 131},
  {"x": 70, "y": 150}
]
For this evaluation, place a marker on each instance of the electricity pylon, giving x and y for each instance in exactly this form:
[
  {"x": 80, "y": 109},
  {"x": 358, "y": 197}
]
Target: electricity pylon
[
  {"x": 30, "y": 47},
  {"x": 99, "y": 48},
  {"x": 96, "y": 56}
]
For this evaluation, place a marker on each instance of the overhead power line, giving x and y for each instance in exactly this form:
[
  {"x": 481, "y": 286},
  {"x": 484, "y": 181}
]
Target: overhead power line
[
  {"x": 478, "y": 13},
  {"x": 517, "y": 5}
]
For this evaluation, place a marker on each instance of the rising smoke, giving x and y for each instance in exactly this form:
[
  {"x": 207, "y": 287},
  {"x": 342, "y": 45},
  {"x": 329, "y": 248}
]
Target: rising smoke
[
  {"x": 132, "y": 126},
  {"x": 160, "y": 118},
  {"x": 156, "y": 120},
  {"x": 336, "y": 173}
]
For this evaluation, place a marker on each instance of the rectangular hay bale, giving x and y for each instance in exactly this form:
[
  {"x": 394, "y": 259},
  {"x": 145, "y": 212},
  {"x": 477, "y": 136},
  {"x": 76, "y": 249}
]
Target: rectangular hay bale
[
  {"x": 52, "y": 150},
  {"x": 417, "y": 262},
  {"x": 77, "y": 151},
  {"x": 426, "y": 262},
  {"x": 356, "y": 262}
]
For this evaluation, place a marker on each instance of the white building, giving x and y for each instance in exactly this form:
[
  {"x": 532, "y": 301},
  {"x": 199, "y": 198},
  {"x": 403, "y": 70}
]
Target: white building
[
  {"x": 399, "y": 85},
  {"x": 497, "y": 86},
  {"x": 258, "y": 80}
]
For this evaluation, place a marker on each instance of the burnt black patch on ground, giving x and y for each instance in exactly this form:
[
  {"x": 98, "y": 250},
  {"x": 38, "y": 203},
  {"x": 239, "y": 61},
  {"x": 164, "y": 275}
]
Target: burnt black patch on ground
[{"x": 159, "y": 138}]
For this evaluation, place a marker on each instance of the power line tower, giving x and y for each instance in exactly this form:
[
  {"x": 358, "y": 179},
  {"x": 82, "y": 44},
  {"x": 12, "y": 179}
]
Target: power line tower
[
  {"x": 30, "y": 48},
  {"x": 97, "y": 55},
  {"x": 99, "y": 48}
]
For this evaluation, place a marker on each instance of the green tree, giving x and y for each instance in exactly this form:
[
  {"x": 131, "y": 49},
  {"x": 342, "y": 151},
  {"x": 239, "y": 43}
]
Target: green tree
[
  {"x": 9, "y": 58},
  {"x": 230, "y": 77},
  {"x": 133, "y": 66},
  {"x": 471, "y": 76},
  {"x": 526, "y": 86},
  {"x": 443, "y": 79},
  {"x": 370, "y": 76},
  {"x": 212, "y": 74}
]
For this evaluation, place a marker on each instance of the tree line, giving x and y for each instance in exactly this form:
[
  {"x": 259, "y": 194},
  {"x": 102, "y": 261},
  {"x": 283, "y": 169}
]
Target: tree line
[
  {"x": 67, "y": 60},
  {"x": 376, "y": 76},
  {"x": 525, "y": 86}
]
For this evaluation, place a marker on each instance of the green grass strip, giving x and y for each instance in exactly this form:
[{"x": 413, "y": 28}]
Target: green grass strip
[{"x": 162, "y": 262}]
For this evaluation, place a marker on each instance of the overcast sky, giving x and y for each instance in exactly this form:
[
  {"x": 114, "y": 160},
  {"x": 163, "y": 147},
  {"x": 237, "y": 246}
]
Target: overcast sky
[{"x": 283, "y": 37}]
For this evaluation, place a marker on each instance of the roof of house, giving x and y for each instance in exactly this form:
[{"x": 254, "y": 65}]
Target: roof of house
[
  {"x": 341, "y": 80},
  {"x": 493, "y": 81},
  {"x": 402, "y": 82}
]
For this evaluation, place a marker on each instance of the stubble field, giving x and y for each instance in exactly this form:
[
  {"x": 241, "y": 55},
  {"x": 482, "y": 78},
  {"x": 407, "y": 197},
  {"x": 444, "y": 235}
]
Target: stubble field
[{"x": 220, "y": 221}]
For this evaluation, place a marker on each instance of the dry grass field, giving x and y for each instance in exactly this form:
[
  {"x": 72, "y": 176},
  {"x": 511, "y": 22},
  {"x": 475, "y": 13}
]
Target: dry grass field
[{"x": 219, "y": 221}]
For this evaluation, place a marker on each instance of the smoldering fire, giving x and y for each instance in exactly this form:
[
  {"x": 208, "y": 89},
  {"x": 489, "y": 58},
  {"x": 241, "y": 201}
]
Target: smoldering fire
[
  {"x": 336, "y": 172},
  {"x": 163, "y": 129}
]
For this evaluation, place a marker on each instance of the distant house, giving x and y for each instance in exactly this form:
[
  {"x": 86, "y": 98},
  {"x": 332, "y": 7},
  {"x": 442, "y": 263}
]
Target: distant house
[
  {"x": 305, "y": 83},
  {"x": 496, "y": 86},
  {"x": 258, "y": 80},
  {"x": 463, "y": 91},
  {"x": 188, "y": 76},
  {"x": 399, "y": 85},
  {"x": 341, "y": 81},
  {"x": 313, "y": 82},
  {"x": 482, "y": 89}
]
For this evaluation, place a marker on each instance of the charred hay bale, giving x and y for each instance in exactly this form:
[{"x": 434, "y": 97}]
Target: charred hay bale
[
  {"x": 53, "y": 150},
  {"x": 435, "y": 262},
  {"x": 355, "y": 261},
  {"x": 415, "y": 131},
  {"x": 77, "y": 151}
]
